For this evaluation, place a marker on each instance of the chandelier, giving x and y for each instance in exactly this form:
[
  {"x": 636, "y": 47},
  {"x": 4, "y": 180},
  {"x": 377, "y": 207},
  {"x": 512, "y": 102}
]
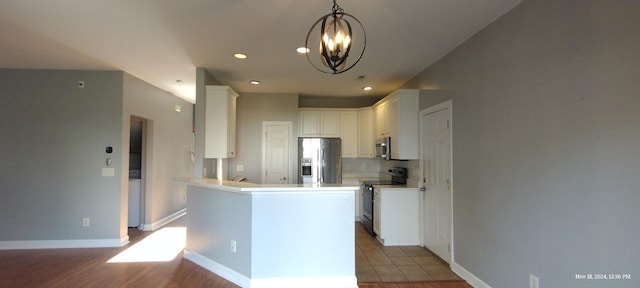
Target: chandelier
[{"x": 336, "y": 41}]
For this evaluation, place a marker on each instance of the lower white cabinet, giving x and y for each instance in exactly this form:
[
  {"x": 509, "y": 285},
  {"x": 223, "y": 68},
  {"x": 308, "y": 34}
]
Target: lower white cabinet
[{"x": 396, "y": 214}]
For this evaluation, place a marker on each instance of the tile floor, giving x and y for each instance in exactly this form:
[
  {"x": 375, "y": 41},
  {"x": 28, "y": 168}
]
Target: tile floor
[{"x": 377, "y": 263}]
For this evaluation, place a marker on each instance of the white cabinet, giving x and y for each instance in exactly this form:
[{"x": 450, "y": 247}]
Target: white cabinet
[
  {"x": 309, "y": 123},
  {"x": 396, "y": 116},
  {"x": 330, "y": 123},
  {"x": 220, "y": 122},
  {"x": 396, "y": 214},
  {"x": 349, "y": 133},
  {"x": 342, "y": 123},
  {"x": 380, "y": 112},
  {"x": 319, "y": 123},
  {"x": 366, "y": 144}
]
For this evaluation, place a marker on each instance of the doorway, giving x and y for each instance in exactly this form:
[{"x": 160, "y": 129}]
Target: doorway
[
  {"x": 436, "y": 162},
  {"x": 276, "y": 152},
  {"x": 137, "y": 171}
]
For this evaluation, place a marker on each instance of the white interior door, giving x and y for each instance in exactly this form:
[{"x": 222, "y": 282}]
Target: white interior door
[
  {"x": 276, "y": 152},
  {"x": 435, "y": 123}
]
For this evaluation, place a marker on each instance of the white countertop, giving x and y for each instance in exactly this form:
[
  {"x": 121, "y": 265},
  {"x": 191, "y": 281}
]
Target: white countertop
[{"x": 252, "y": 188}]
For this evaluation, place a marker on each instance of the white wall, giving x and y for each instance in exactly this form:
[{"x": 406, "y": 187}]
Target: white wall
[{"x": 546, "y": 130}]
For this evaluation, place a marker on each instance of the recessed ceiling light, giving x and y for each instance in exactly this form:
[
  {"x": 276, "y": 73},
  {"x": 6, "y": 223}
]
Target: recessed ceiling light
[
  {"x": 367, "y": 88},
  {"x": 302, "y": 50},
  {"x": 255, "y": 82},
  {"x": 240, "y": 55}
]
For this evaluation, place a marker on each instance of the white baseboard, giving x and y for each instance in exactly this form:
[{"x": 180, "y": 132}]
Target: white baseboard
[
  {"x": 164, "y": 221},
  {"x": 283, "y": 282},
  {"x": 217, "y": 268},
  {"x": 468, "y": 276},
  {"x": 85, "y": 243},
  {"x": 58, "y": 244}
]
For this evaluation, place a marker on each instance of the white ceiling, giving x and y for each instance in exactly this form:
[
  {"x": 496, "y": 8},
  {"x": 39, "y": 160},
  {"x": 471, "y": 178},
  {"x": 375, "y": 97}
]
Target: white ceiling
[{"x": 161, "y": 41}]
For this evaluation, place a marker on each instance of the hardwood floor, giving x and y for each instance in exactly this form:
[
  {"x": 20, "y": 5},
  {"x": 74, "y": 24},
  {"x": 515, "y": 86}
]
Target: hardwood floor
[{"x": 89, "y": 268}]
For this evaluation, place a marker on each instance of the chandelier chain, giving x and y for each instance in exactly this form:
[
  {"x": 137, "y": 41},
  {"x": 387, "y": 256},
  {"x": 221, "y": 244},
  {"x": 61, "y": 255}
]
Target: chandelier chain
[{"x": 336, "y": 8}]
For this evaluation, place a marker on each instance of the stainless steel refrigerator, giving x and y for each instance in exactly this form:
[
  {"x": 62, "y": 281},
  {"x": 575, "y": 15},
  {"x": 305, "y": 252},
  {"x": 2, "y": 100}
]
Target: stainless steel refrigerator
[{"x": 319, "y": 160}]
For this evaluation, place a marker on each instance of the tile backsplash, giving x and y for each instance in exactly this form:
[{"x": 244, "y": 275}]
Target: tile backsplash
[
  {"x": 377, "y": 168},
  {"x": 361, "y": 167}
]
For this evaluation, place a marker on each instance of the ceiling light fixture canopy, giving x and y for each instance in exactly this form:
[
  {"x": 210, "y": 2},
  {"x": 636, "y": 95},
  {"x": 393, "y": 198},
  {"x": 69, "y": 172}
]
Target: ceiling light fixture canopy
[{"x": 336, "y": 40}]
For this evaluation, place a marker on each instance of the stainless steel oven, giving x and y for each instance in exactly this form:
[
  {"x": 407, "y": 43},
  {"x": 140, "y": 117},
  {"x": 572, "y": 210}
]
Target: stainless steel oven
[{"x": 383, "y": 148}]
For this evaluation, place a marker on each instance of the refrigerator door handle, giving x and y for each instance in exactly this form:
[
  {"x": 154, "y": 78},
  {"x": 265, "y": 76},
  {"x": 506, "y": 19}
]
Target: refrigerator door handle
[
  {"x": 318, "y": 177},
  {"x": 321, "y": 165}
]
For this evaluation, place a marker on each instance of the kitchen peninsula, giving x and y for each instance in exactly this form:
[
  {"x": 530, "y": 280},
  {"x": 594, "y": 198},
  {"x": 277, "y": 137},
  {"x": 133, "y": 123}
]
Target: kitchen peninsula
[{"x": 259, "y": 235}]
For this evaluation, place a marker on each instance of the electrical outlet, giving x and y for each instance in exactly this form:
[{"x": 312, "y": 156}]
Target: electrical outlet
[
  {"x": 85, "y": 222},
  {"x": 533, "y": 281},
  {"x": 233, "y": 246},
  {"x": 184, "y": 196}
]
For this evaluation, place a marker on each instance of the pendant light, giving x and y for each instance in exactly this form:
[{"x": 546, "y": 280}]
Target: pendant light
[{"x": 336, "y": 41}]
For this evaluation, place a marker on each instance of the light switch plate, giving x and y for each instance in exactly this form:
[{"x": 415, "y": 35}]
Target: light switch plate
[
  {"x": 534, "y": 282},
  {"x": 108, "y": 172},
  {"x": 239, "y": 167}
]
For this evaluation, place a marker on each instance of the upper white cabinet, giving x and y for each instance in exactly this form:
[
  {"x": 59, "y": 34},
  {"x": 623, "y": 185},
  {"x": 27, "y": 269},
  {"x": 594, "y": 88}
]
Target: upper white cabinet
[
  {"x": 319, "y": 123},
  {"x": 380, "y": 115},
  {"x": 366, "y": 144},
  {"x": 309, "y": 123},
  {"x": 396, "y": 116},
  {"x": 349, "y": 133},
  {"x": 220, "y": 122}
]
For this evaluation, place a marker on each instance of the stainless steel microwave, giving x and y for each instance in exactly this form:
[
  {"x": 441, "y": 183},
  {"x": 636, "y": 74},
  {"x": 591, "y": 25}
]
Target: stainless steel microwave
[{"x": 383, "y": 148}]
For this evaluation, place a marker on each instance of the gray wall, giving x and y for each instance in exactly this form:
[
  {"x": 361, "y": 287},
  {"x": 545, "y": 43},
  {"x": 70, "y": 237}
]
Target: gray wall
[
  {"x": 52, "y": 151},
  {"x": 252, "y": 109},
  {"x": 546, "y": 123},
  {"x": 337, "y": 102},
  {"x": 229, "y": 215}
]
